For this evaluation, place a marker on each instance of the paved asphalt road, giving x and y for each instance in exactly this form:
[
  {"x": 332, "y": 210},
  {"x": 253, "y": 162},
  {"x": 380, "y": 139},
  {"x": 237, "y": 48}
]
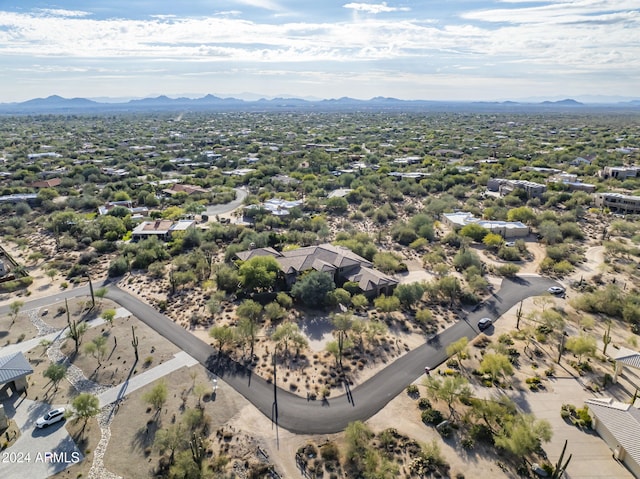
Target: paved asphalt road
[
  {"x": 214, "y": 210},
  {"x": 295, "y": 413}
]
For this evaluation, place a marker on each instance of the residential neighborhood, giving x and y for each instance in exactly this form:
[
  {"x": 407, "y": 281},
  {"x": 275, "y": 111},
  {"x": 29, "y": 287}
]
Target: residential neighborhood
[{"x": 320, "y": 294}]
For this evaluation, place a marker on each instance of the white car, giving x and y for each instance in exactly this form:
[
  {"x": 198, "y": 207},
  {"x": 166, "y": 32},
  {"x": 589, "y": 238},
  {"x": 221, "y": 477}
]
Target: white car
[
  {"x": 556, "y": 290},
  {"x": 510, "y": 244},
  {"x": 50, "y": 418}
]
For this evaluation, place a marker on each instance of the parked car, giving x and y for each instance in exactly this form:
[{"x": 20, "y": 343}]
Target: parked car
[
  {"x": 51, "y": 417},
  {"x": 510, "y": 244},
  {"x": 484, "y": 323},
  {"x": 556, "y": 290}
]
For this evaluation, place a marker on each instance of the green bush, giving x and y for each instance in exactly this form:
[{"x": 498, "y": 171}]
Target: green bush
[
  {"x": 431, "y": 416},
  {"x": 330, "y": 452},
  {"x": 412, "y": 390},
  {"x": 424, "y": 403},
  {"x": 481, "y": 433}
]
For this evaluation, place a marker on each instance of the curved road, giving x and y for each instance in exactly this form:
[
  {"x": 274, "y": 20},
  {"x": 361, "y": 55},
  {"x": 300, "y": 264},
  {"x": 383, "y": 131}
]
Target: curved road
[
  {"x": 322, "y": 417},
  {"x": 213, "y": 210}
]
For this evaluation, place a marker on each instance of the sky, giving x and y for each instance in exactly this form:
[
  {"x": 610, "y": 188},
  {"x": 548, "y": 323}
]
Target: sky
[{"x": 410, "y": 49}]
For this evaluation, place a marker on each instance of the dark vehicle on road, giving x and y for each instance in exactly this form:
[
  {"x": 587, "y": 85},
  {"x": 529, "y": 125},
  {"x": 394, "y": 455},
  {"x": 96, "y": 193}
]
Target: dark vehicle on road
[{"x": 484, "y": 323}]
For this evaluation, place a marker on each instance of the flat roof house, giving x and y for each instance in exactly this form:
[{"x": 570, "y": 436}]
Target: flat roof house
[
  {"x": 507, "y": 229},
  {"x": 504, "y": 187},
  {"x": 620, "y": 172},
  {"x": 617, "y": 202},
  {"x": 340, "y": 262},
  {"x": 188, "y": 189},
  {"x": 161, "y": 229}
]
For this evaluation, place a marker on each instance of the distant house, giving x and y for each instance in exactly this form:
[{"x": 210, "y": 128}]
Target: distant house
[
  {"x": 52, "y": 183},
  {"x": 181, "y": 188},
  {"x": 276, "y": 206},
  {"x": 341, "y": 263},
  {"x": 239, "y": 172},
  {"x": 505, "y": 186},
  {"x": 507, "y": 229},
  {"x": 617, "y": 202},
  {"x": 339, "y": 193},
  {"x": 161, "y": 229},
  {"x": 586, "y": 160},
  {"x": 284, "y": 179},
  {"x": 620, "y": 172},
  {"x": 50, "y": 154},
  {"x": 571, "y": 182},
  {"x": 618, "y": 424},
  {"x": 136, "y": 212},
  {"x": 114, "y": 171},
  {"x": 411, "y": 175},
  {"x": 18, "y": 197}
]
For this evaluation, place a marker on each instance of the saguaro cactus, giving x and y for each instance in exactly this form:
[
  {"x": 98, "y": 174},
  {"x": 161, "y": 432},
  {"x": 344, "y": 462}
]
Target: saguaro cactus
[
  {"x": 559, "y": 469},
  {"x": 606, "y": 339},
  {"x": 134, "y": 342}
]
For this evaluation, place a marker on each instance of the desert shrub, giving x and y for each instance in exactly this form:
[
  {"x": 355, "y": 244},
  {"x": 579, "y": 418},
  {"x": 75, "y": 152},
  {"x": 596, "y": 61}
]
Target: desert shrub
[
  {"x": 431, "y": 416},
  {"x": 481, "y": 433},
  {"x": 330, "y": 452},
  {"x": 424, "y": 403},
  {"x": 508, "y": 270},
  {"x": 509, "y": 253}
]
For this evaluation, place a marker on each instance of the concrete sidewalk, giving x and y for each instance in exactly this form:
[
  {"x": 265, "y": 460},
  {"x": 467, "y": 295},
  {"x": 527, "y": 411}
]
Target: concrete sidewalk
[{"x": 136, "y": 382}]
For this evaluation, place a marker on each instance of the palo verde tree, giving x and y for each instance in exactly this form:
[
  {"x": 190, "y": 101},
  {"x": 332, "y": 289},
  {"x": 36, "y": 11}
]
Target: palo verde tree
[
  {"x": 224, "y": 335},
  {"x": 249, "y": 313},
  {"x": 56, "y": 372},
  {"x": 171, "y": 438},
  {"x": 496, "y": 365},
  {"x": 14, "y": 310},
  {"x": 287, "y": 333},
  {"x": 523, "y": 434},
  {"x": 259, "y": 273},
  {"x": 157, "y": 396},
  {"x": 581, "y": 345},
  {"x": 458, "y": 349},
  {"x": 97, "y": 348},
  {"x": 85, "y": 406},
  {"x": 449, "y": 389}
]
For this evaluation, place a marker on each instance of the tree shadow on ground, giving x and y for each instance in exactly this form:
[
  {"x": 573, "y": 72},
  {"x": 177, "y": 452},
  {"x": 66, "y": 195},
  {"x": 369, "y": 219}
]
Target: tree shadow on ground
[{"x": 145, "y": 436}]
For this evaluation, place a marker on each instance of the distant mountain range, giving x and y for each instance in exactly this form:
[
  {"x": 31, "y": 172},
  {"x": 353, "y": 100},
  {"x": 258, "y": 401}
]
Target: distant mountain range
[{"x": 58, "y": 105}]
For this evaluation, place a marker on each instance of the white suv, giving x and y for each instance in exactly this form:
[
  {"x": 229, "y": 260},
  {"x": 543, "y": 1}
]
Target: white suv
[{"x": 51, "y": 417}]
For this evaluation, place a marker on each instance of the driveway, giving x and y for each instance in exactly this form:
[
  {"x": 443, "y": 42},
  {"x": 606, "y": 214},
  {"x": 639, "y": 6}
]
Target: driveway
[{"x": 30, "y": 456}]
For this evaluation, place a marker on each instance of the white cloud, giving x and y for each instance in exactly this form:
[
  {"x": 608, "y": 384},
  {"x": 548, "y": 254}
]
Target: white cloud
[
  {"x": 374, "y": 7},
  {"x": 60, "y": 12},
  {"x": 264, "y": 4},
  {"x": 561, "y": 12},
  {"x": 584, "y": 39}
]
